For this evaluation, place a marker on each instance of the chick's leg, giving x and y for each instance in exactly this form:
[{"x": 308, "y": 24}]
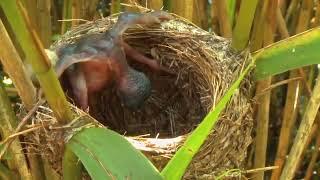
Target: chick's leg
[{"x": 137, "y": 56}]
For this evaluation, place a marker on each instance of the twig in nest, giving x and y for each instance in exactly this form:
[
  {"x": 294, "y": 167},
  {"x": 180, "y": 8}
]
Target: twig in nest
[
  {"x": 23, "y": 132},
  {"x": 23, "y": 122},
  {"x": 66, "y": 20},
  {"x": 135, "y": 5},
  {"x": 260, "y": 169},
  {"x": 238, "y": 172},
  {"x": 67, "y": 126}
]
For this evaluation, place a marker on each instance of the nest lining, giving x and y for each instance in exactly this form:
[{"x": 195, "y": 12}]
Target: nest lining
[{"x": 205, "y": 67}]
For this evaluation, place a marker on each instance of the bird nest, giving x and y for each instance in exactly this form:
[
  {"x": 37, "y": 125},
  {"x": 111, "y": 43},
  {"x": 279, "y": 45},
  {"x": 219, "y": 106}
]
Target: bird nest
[{"x": 205, "y": 67}]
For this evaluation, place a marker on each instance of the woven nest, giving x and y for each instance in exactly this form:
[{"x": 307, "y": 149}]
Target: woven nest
[{"x": 205, "y": 66}]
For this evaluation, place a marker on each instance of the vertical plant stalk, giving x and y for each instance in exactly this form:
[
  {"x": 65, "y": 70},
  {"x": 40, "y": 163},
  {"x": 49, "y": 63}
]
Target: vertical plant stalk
[
  {"x": 290, "y": 109},
  {"x": 200, "y": 15},
  {"x": 188, "y": 9},
  {"x": 304, "y": 19},
  {"x": 75, "y": 12},
  {"x": 76, "y": 170},
  {"x": 13, "y": 65},
  {"x": 317, "y": 17},
  {"x": 39, "y": 13},
  {"x": 303, "y": 24},
  {"x": 224, "y": 22},
  {"x": 183, "y": 8},
  {"x": 37, "y": 58},
  {"x": 6, "y": 174},
  {"x": 115, "y": 6},
  {"x": 197, "y": 13},
  {"x": 264, "y": 101},
  {"x": 313, "y": 160},
  {"x": 36, "y": 164},
  {"x": 50, "y": 173},
  {"x": 167, "y": 4},
  {"x": 291, "y": 9},
  {"x": 8, "y": 122},
  {"x": 31, "y": 6},
  {"x": 292, "y": 100},
  {"x": 289, "y": 118},
  {"x": 313, "y": 133},
  {"x": 88, "y": 9},
  {"x": 304, "y": 16},
  {"x": 282, "y": 27},
  {"x": 131, "y": 5},
  {"x": 27, "y": 92},
  {"x": 259, "y": 23},
  {"x": 283, "y": 5},
  {"x": 153, "y": 4},
  {"x": 231, "y": 8},
  {"x": 311, "y": 76},
  {"x": 262, "y": 120},
  {"x": 214, "y": 17},
  {"x": 70, "y": 164},
  {"x": 293, "y": 22},
  {"x": 261, "y": 139},
  {"x": 66, "y": 14},
  {"x": 315, "y": 154},
  {"x": 242, "y": 29},
  {"x": 44, "y": 22},
  {"x": 304, "y": 130}
]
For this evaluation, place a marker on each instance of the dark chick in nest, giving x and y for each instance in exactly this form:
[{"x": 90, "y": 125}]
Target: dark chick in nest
[{"x": 96, "y": 61}]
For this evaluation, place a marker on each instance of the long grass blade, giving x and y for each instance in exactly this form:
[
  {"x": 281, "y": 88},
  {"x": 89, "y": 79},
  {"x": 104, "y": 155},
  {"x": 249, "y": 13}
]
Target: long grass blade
[
  {"x": 295, "y": 52},
  {"x": 177, "y": 165}
]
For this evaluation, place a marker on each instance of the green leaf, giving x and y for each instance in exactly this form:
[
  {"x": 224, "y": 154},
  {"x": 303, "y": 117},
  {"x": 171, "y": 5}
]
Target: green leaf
[
  {"x": 67, "y": 14},
  {"x": 294, "y": 52},
  {"x": 107, "y": 155},
  {"x": 180, "y": 161},
  {"x": 242, "y": 29},
  {"x": 231, "y": 7},
  {"x": 7, "y": 174},
  {"x": 115, "y": 6}
]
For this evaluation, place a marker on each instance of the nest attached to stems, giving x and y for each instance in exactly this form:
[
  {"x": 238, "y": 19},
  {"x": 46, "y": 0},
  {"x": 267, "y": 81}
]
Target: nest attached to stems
[{"x": 205, "y": 67}]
